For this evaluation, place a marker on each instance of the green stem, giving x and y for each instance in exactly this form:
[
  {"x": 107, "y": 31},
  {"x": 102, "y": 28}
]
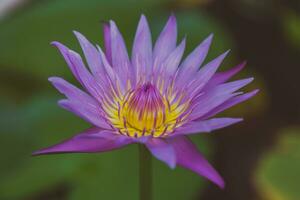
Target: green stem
[{"x": 145, "y": 173}]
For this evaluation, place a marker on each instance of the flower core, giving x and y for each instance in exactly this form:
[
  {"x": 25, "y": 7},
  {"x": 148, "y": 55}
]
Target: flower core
[{"x": 146, "y": 111}]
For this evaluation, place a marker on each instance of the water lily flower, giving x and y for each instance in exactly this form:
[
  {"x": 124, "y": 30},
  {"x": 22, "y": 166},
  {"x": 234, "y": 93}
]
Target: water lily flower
[{"x": 153, "y": 98}]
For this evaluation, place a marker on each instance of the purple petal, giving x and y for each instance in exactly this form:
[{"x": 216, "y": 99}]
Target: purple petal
[
  {"x": 92, "y": 56},
  {"x": 172, "y": 61},
  {"x": 64, "y": 51},
  {"x": 216, "y": 97},
  {"x": 162, "y": 150},
  {"x": 79, "y": 102},
  {"x": 120, "y": 60},
  {"x": 205, "y": 74},
  {"x": 80, "y": 71},
  {"x": 189, "y": 157},
  {"x": 142, "y": 47},
  {"x": 233, "y": 86},
  {"x": 166, "y": 41},
  {"x": 90, "y": 141},
  {"x": 207, "y": 102},
  {"x": 114, "y": 80},
  {"x": 222, "y": 77},
  {"x": 194, "y": 60},
  {"x": 86, "y": 78},
  {"x": 72, "y": 92},
  {"x": 229, "y": 103},
  {"x": 92, "y": 114},
  {"x": 206, "y": 126},
  {"x": 108, "y": 68},
  {"x": 107, "y": 42}
]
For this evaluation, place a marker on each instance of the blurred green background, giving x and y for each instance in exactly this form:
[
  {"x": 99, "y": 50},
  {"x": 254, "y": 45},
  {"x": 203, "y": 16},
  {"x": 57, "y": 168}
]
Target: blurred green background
[{"x": 259, "y": 158}]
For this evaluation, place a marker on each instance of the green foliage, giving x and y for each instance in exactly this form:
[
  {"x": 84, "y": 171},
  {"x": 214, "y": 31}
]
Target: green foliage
[
  {"x": 291, "y": 27},
  {"x": 278, "y": 174}
]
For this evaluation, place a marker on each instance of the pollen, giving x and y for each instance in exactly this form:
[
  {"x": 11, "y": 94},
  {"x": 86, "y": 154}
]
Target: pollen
[{"x": 145, "y": 111}]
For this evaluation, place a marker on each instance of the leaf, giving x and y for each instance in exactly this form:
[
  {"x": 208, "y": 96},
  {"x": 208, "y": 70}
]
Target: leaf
[
  {"x": 291, "y": 27},
  {"x": 29, "y": 127},
  {"x": 278, "y": 173}
]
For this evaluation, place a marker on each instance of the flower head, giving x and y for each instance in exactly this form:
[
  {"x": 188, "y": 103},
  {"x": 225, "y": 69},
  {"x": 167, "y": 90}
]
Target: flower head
[{"x": 153, "y": 98}]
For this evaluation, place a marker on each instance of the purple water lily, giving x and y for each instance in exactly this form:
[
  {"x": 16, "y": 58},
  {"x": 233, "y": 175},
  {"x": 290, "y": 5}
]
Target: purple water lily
[{"x": 152, "y": 98}]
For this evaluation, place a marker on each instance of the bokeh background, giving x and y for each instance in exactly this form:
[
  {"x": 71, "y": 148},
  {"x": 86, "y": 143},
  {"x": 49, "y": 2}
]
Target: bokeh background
[{"x": 259, "y": 158}]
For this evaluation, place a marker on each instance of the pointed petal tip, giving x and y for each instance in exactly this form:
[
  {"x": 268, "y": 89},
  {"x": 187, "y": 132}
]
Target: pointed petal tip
[
  {"x": 143, "y": 24},
  {"x": 231, "y": 121},
  {"x": 113, "y": 28},
  {"x": 244, "y": 63},
  {"x": 53, "y": 79},
  {"x": 227, "y": 52},
  {"x": 183, "y": 42},
  {"x": 171, "y": 25},
  {"x": 189, "y": 157},
  {"x": 220, "y": 183},
  {"x": 62, "y": 102},
  {"x": 248, "y": 95},
  {"x": 73, "y": 53},
  {"x": 35, "y": 153},
  {"x": 236, "y": 120},
  {"x": 41, "y": 152},
  {"x": 76, "y": 32},
  {"x": 172, "y": 165},
  {"x": 216, "y": 62},
  {"x": 143, "y": 17},
  {"x": 172, "y": 19},
  {"x": 243, "y": 82},
  {"x": 249, "y": 80},
  {"x": 223, "y": 55},
  {"x": 163, "y": 151},
  {"x": 208, "y": 39},
  {"x": 90, "y": 141},
  {"x": 112, "y": 23},
  {"x": 61, "y": 47},
  {"x": 172, "y": 15},
  {"x": 251, "y": 94},
  {"x": 56, "y": 43},
  {"x": 79, "y": 35},
  {"x": 239, "y": 67},
  {"x": 255, "y": 91}
]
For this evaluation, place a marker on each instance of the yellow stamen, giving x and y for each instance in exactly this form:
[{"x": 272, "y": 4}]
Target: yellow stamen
[{"x": 145, "y": 111}]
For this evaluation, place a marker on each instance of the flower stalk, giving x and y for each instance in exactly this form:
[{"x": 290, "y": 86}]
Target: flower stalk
[{"x": 145, "y": 170}]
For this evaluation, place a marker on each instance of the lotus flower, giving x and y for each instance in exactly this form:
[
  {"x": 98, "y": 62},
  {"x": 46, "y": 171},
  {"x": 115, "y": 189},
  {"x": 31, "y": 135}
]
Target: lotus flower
[{"x": 153, "y": 98}]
